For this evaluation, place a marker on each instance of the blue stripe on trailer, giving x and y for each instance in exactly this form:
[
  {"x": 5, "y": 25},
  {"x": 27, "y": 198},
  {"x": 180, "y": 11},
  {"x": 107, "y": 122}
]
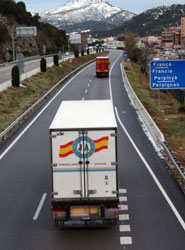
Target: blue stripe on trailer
[{"x": 89, "y": 170}]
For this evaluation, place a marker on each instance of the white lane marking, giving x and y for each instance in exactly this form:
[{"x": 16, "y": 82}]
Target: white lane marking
[
  {"x": 123, "y": 207},
  {"x": 36, "y": 215},
  {"x": 125, "y": 240},
  {"x": 86, "y": 91},
  {"x": 90, "y": 80},
  {"x": 110, "y": 87},
  {"x": 179, "y": 218},
  {"x": 122, "y": 191},
  {"x": 123, "y": 217},
  {"x": 44, "y": 108},
  {"x": 88, "y": 85},
  {"x": 83, "y": 99},
  {"x": 124, "y": 228},
  {"x": 123, "y": 198}
]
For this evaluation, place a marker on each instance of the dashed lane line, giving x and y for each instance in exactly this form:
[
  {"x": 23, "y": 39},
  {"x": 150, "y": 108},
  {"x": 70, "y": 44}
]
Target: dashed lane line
[
  {"x": 125, "y": 240},
  {"x": 123, "y": 198},
  {"x": 124, "y": 217},
  {"x": 123, "y": 207},
  {"x": 124, "y": 228},
  {"x": 122, "y": 191},
  {"x": 36, "y": 215}
]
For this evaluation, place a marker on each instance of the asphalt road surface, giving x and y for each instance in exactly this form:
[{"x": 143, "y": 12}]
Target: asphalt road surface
[
  {"x": 5, "y": 71},
  {"x": 152, "y": 207}
]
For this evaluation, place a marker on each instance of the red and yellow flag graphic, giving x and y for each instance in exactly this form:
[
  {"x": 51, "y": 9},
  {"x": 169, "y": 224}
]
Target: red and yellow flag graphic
[
  {"x": 91, "y": 147},
  {"x": 101, "y": 144},
  {"x": 66, "y": 149}
]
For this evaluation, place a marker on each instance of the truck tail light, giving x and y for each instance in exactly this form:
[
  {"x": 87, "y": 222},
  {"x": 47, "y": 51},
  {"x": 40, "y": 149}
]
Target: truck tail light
[
  {"x": 116, "y": 213},
  {"x": 58, "y": 209},
  {"x": 55, "y": 214},
  {"x": 112, "y": 205}
]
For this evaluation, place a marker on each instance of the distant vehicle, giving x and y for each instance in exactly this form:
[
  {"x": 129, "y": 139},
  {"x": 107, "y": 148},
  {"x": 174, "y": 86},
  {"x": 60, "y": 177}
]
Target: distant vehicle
[
  {"x": 84, "y": 169},
  {"x": 156, "y": 58},
  {"x": 102, "y": 66},
  {"x": 67, "y": 54},
  {"x": 182, "y": 56}
]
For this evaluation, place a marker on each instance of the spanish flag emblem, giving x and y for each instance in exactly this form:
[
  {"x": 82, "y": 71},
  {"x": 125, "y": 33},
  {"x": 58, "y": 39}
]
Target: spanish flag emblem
[
  {"x": 101, "y": 144},
  {"x": 90, "y": 147},
  {"x": 66, "y": 149}
]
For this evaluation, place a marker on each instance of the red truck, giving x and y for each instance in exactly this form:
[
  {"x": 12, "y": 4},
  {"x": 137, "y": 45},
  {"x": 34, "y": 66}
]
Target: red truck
[{"x": 102, "y": 66}]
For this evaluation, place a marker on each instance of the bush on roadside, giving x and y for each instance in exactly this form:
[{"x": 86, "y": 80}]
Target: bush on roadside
[
  {"x": 43, "y": 65},
  {"x": 55, "y": 60},
  {"x": 76, "y": 53},
  {"x": 182, "y": 109},
  {"x": 15, "y": 76}
]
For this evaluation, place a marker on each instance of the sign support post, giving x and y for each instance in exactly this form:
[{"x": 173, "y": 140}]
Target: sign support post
[{"x": 159, "y": 100}]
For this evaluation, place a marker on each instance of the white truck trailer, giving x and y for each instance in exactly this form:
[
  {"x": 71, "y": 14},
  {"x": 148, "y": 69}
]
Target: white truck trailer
[{"x": 84, "y": 167}]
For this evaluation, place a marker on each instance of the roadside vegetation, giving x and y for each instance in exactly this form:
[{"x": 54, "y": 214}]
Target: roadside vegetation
[
  {"x": 171, "y": 117},
  {"x": 15, "y": 100}
]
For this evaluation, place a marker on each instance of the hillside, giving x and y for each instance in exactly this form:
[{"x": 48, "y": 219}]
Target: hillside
[
  {"x": 15, "y": 15},
  {"x": 150, "y": 22}
]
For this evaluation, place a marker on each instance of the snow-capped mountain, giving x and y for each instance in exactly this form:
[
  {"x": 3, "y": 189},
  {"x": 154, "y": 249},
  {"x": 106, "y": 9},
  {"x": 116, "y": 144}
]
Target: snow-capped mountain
[
  {"x": 150, "y": 22},
  {"x": 86, "y": 13},
  {"x": 153, "y": 21}
]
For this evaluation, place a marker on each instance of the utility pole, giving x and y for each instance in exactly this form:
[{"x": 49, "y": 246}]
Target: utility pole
[{"x": 13, "y": 43}]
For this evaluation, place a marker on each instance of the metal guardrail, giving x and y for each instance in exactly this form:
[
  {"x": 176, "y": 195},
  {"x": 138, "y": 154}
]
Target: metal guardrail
[
  {"x": 181, "y": 172},
  {"x": 26, "y": 59},
  {"x": 155, "y": 132},
  {"x": 4, "y": 133}
]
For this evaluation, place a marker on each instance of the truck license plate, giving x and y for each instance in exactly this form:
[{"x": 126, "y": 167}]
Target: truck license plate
[{"x": 84, "y": 211}]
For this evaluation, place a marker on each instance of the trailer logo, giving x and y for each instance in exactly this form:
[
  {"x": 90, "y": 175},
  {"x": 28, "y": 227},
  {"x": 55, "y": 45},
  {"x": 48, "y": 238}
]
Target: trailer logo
[{"x": 83, "y": 147}]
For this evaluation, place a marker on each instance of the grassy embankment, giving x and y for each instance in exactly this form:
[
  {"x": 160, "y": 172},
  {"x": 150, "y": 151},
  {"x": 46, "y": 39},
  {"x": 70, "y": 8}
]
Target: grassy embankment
[
  {"x": 14, "y": 101},
  {"x": 170, "y": 119}
]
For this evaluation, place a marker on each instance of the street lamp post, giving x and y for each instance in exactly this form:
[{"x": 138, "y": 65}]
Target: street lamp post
[{"x": 13, "y": 43}]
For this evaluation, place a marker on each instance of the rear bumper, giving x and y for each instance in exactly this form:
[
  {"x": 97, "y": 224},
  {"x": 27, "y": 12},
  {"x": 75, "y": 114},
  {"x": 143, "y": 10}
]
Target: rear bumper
[
  {"x": 85, "y": 215},
  {"x": 85, "y": 223}
]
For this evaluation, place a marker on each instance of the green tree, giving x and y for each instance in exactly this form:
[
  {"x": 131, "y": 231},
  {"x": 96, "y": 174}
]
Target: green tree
[
  {"x": 43, "y": 64},
  {"x": 4, "y": 33},
  {"x": 15, "y": 76}
]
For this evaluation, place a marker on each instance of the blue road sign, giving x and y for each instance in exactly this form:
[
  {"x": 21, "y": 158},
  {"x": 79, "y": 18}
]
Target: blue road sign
[
  {"x": 167, "y": 74},
  {"x": 125, "y": 56}
]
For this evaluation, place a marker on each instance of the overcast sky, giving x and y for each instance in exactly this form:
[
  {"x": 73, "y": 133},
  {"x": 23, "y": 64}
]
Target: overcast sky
[{"x": 135, "y": 6}]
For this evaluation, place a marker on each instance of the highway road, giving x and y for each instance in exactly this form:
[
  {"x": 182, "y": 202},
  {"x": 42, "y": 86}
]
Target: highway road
[
  {"x": 5, "y": 71},
  {"x": 152, "y": 207}
]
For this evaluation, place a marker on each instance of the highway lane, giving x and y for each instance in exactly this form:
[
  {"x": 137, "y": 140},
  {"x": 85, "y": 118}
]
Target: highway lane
[
  {"x": 5, "y": 72},
  {"x": 25, "y": 177}
]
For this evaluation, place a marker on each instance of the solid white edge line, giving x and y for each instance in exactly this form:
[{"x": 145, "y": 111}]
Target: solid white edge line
[
  {"x": 36, "y": 215},
  {"x": 179, "y": 218},
  {"x": 44, "y": 108},
  {"x": 110, "y": 87}
]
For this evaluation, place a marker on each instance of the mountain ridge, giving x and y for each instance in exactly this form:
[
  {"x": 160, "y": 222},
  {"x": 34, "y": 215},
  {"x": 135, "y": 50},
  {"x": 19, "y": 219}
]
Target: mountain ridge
[
  {"x": 150, "y": 22},
  {"x": 76, "y": 12}
]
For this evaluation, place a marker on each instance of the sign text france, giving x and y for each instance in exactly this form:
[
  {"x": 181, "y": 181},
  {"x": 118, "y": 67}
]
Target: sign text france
[{"x": 167, "y": 74}]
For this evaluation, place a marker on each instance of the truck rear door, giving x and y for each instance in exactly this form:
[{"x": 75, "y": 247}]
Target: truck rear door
[
  {"x": 100, "y": 162},
  {"x": 67, "y": 167}
]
